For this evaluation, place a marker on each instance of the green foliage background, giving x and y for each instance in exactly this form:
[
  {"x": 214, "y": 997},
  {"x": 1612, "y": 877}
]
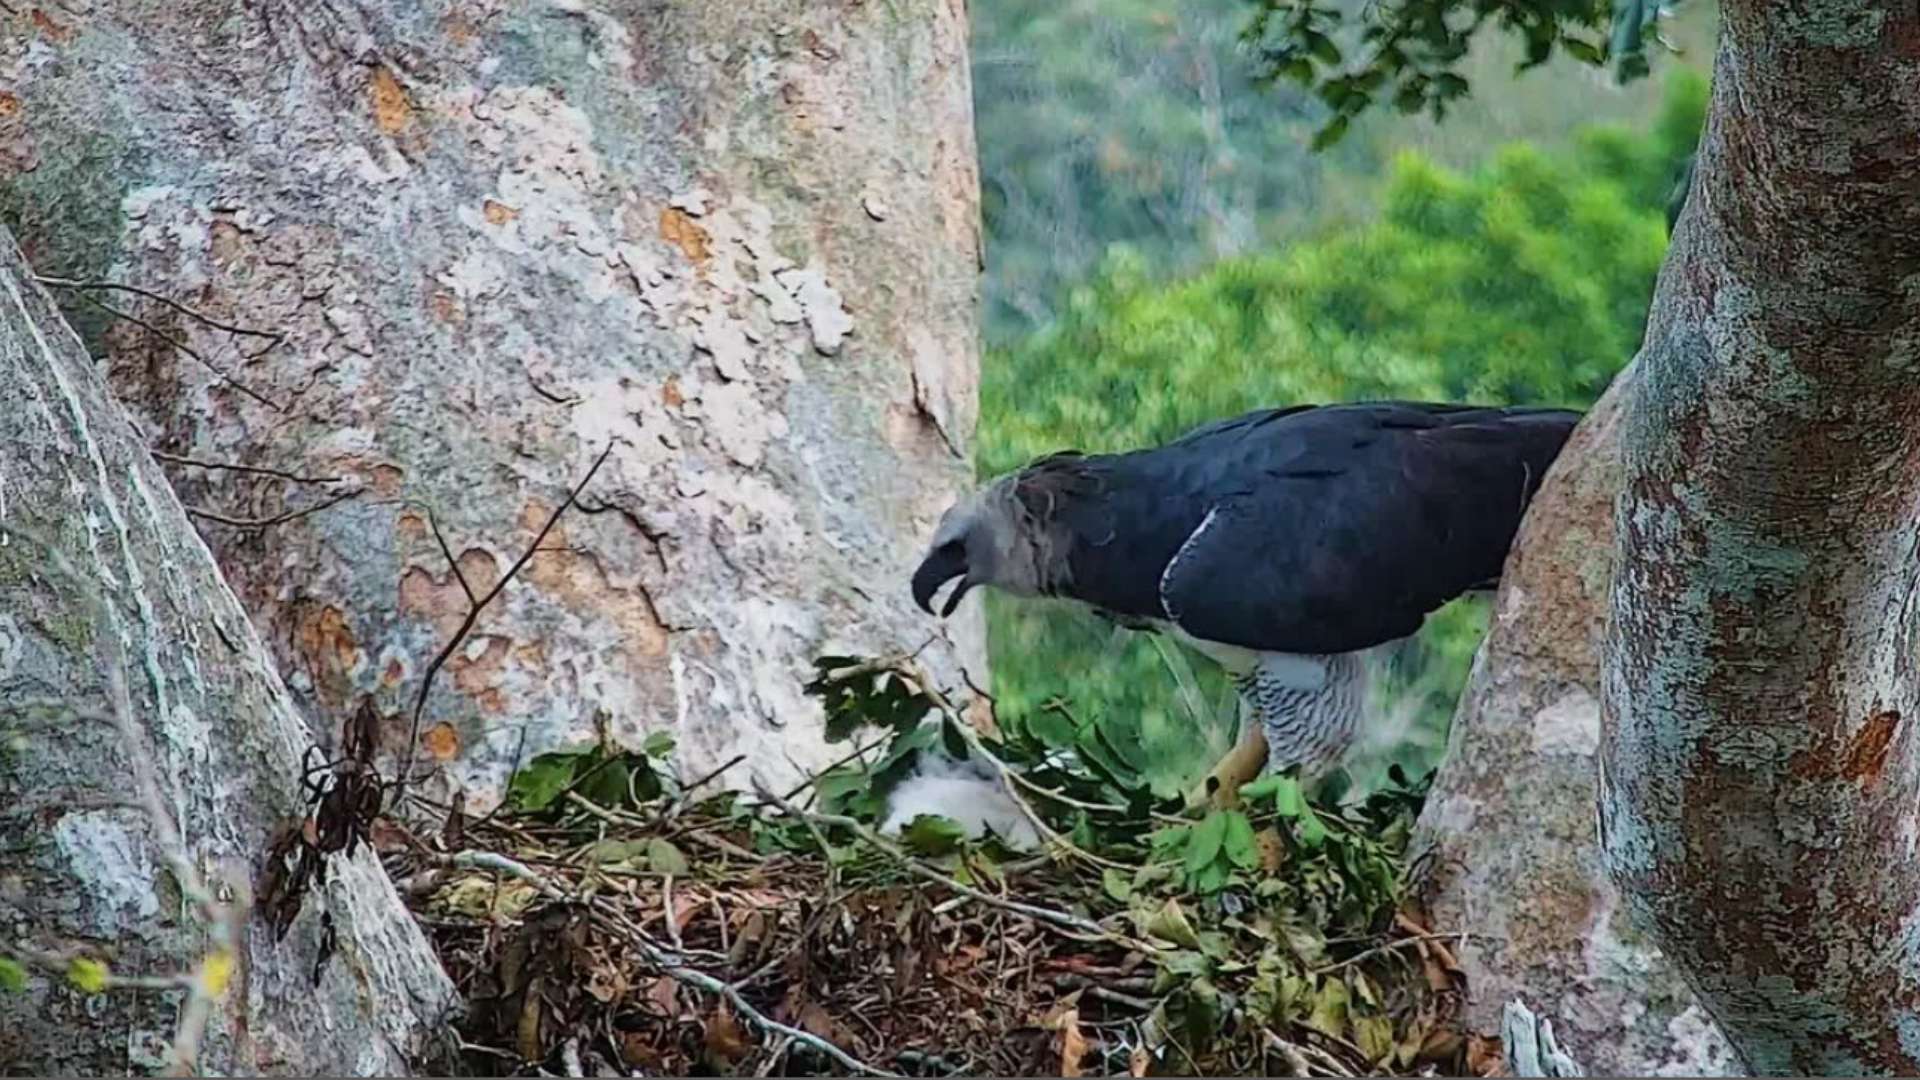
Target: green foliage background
[{"x": 1485, "y": 269}]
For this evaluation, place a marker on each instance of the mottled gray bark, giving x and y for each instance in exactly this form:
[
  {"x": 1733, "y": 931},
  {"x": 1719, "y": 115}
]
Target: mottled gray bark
[
  {"x": 78, "y": 862},
  {"x": 737, "y": 240},
  {"x": 1760, "y": 780},
  {"x": 1506, "y": 846}
]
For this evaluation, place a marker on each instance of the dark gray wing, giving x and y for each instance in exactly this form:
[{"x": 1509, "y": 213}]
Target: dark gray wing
[{"x": 1347, "y": 532}]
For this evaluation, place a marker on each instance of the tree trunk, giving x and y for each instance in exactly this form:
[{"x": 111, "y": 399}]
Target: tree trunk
[
  {"x": 1760, "y": 780},
  {"x": 79, "y": 862},
  {"x": 1506, "y": 844},
  {"x": 737, "y": 241}
]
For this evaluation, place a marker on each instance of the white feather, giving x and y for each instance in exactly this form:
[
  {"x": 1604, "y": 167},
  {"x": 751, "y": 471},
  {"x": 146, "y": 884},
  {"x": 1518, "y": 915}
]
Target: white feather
[{"x": 961, "y": 791}]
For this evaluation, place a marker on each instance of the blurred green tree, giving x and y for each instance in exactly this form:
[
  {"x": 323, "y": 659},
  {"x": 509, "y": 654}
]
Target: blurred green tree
[
  {"x": 1524, "y": 281},
  {"x": 1128, "y": 121}
]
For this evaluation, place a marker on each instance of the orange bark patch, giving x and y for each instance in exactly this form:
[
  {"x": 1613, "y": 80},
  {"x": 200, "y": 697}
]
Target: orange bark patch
[
  {"x": 327, "y": 636},
  {"x": 392, "y": 112},
  {"x": 670, "y": 392},
  {"x": 459, "y": 29},
  {"x": 441, "y": 741},
  {"x": 394, "y": 672},
  {"x": 472, "y": 674},
  {"x": 580, "y": 582},
  {"x": 411, "y": 526},
  {"x": 1868, "y": 751},
  {"x": 386, "y": 479},
  {"x": 9, "y": 106},
  {"x": 498, "y": 213},
  {"x": 446, "y": 307},
  {"x": 226, "y": 240},
  {"x": 325, "y": 641},
  {"x": 53, "y": 30},
  {"x": 680, "y": 230},
  {"x": 437, "y": 597}
]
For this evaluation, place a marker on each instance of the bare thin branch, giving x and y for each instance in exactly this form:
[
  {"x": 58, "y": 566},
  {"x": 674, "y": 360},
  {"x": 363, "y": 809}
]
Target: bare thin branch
[
  {"x": 234, "y": 466},
  {"x": 452, "y": 563},
  {"x": 198, "y": 316},
  {"x": 277, "y": 519},
  {"x": 474, "y": 610},
  {"x": 183, "y": 347}
]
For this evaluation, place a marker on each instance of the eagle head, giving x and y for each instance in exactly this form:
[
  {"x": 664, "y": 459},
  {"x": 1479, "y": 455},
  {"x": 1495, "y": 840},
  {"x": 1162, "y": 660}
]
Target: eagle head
[{"x": 978, "y": 541}]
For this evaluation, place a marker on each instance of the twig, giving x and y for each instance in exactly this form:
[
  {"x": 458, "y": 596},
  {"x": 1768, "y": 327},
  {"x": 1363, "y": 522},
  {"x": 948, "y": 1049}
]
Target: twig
[
  {"x": 488, "y": 860},
  {"x": 1392, "y": 946},
  {"x": 701, "y": 980},
  {"x": 277, "y": 519},
  {"x": 183, "y": 347},
  {"x": 230, "y": 466},
  {"x": 920, "y": 869},
  {"x": 910, "y": 669},
  {"x": 197, "y": 316},
  {"x": 667, "y": 962},
  {"x": 59, "y": 963},
  {"x": 855, "y": 756},
  {"x": 1295, "y": 1060},
  {"x": 474, "y": 610}
]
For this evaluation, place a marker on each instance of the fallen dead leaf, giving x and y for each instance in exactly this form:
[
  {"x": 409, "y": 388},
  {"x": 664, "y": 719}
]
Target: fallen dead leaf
[
  {"x": 1073, "y": 1045},
  {"x": 727, "y": 1040},
  {"x": 1485, "y": 1056}
]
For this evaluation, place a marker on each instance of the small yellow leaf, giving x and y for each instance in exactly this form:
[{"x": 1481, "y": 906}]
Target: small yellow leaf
[
  {"x": 87, "y": 976},
  {"x": 215, "y": 972}
]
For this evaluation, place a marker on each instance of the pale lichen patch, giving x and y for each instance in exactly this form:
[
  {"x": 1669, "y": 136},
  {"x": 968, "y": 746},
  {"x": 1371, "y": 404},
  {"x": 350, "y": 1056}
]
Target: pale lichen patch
[
  {"x": 1569, "y": 725},
  {"x": 826, "y": 315},
  {"x": 106, "y": 853}
]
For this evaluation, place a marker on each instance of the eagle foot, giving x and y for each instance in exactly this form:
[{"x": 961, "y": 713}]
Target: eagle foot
[{"x": 1221, "y": 788}]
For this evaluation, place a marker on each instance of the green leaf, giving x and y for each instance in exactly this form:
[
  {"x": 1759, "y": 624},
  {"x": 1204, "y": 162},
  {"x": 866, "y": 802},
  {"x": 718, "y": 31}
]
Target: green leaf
[
  {"x": 1170, "y": 924},
  {"x": 1053, "y": 727},
  {"x": 1374, "y": 1036},
  {"x": 1164, "y": 842},
  {"x": 87, "y": 976},
  {"x": 13, "y": 977},
  {"x": 1330, "y": 1009},
  {"x": 1212, "y": 878},
  {"x": 1238, "y": 841},
  {"x": 1205, "y": 842},
  {"x": 613, "y": 851},
  {"x": 1582, "y": 51},
  {"x": 665, "y": 858},
  {"x": 1331, "y": 132},
  {"x": 1322, "y": 47},
  {"x": 1309, "y": 831},
  {"x": 658, "y": 744},
  {"x": 1116, "y": 884},
  {"x": 1262, "y": 789},
  {"x": 1287, "y": 800},
  {"x": 1186, "y": 963},
  {"x": 932, "y": 834},
  {"x": 540, "y": 781}
]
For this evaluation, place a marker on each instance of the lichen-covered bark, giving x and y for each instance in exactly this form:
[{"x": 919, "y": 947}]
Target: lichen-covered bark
[
  {"x": 78, "y": 865},
  {"x": 1506, "y": 847},
  {"x": 1760, "y": 783},
  {"x": 739, "y": 241}
]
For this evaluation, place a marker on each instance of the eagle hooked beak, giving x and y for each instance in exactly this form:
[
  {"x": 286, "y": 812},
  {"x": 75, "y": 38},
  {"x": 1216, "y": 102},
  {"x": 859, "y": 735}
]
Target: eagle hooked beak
[{"x": 942, "y": 564}]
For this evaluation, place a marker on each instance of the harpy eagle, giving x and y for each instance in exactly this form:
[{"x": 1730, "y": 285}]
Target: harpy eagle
[{"x": 1282, "y": 544}]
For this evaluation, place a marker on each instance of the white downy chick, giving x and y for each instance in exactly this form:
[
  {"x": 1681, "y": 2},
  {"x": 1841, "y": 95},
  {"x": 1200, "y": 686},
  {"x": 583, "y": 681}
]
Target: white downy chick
[{"x": 965, "y": 792}]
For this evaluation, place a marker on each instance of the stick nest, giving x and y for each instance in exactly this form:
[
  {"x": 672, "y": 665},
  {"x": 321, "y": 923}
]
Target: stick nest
[{"x": 605, "y": 921}]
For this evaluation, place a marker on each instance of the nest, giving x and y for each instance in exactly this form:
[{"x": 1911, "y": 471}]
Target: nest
[{"x": 602, "y": 923}]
